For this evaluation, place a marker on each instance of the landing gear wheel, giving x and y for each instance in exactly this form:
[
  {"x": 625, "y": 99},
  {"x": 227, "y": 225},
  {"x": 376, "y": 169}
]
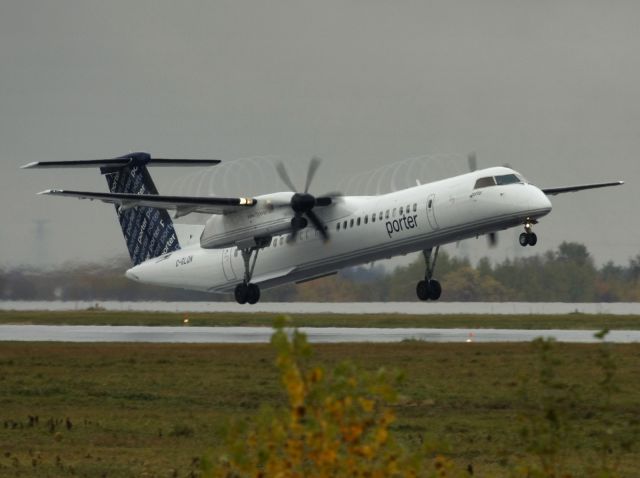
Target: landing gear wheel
[
  {"x": 524, "y": 239},
  {"x": 428, "y": 290},
  {"x": 253, "y": 293},
  {"x": 435, "y": 289},
  {"x": 528, "y": 239},
  {"x": 241, "y": 293},
  {"x": 422, "y": 290}
]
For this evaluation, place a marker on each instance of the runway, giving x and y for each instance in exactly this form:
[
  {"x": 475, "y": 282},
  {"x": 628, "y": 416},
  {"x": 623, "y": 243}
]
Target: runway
[
  {"x": 253, "y": 335},
  {"x": 413, "y": 308}
]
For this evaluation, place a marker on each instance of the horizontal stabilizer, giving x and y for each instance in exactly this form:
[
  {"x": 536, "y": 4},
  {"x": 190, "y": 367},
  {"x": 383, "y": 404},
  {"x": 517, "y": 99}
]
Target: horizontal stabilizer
[
  {"x": 119, "y": 163},
  {"x": 183, "y": 205},
  {"x": 130, "y": 159},
  {"x": 572, "y": 189}
]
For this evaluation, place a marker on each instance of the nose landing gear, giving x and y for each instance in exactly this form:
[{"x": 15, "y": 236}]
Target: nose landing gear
[
  {"x": 429, "y": 288},
  {"x": 528, "y": 238}
]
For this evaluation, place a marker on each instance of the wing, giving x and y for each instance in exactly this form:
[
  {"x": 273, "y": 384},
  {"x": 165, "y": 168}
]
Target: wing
[
  {"x": 572, "y": 189},
  {"x": 183, "y": 205}
]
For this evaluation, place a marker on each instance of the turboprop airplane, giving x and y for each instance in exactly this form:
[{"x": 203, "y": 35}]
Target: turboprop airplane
[{"x": 250, "y": 243}]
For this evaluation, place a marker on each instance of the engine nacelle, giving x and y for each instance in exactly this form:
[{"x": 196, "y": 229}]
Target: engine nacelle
[{"x": 248, "y": 227}]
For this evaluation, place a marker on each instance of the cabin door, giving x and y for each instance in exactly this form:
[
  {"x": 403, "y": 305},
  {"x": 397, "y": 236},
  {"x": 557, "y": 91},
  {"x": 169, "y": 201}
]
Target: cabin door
[
  {"x": 431, "y": 215},
  {"x": 227, "y": 267}
]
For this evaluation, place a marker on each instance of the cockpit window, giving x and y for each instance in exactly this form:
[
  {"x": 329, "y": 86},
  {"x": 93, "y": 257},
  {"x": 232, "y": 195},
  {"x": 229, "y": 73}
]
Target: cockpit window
[
  {"x": 507, "y": 179},
  {"x": 484, "y": 182}
]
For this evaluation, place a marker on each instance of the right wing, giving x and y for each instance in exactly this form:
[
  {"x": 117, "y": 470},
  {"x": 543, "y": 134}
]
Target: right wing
[
  {"x": 572, "y": 189},
  {"x": 183, "y": 205}
]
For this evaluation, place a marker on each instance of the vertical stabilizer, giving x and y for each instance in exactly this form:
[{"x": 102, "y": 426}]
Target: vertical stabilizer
[{"x": 148, "y": 232}]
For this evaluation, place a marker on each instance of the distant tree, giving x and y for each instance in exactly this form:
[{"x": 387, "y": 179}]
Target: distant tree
[
  {"x": 468, "y": 285},
  {"x": 567, "y": 274}
]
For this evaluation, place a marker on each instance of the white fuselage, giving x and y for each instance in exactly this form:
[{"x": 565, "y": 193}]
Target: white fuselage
[{"x": 362, "y": 229}]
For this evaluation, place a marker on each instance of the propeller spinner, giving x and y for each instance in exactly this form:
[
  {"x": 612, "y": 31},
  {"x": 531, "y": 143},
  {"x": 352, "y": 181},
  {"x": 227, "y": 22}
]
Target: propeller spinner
[{"x": 302, "y": 203}]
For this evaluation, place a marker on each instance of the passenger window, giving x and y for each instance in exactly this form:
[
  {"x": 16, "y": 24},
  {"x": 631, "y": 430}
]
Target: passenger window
[
  {"x": 373, "y": 217},
  {"x": 281, "y": 240},
  {"x": 338, "y": 227},
  {"x": 394, "y": 212},
  {"x": 386, "y": 216},
  {"x": 484, "y": 182},
  {"x": 366, "y": 219},
  {"x": 380, "y": 215},
  {"x": 430, "y": 203},
  {"x": 275, "y": 242},
  {"x": 400, "y": 212},
  {"x": 415, "y": 207},
  {"x": 358, "y": 222},
  {"x": 344, "y": 225},
  {"x": 351, "y": 223}
]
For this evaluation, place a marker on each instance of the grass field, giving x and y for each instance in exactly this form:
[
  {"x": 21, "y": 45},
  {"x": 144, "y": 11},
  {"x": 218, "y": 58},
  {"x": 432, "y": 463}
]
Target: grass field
[
  {"x": 93, "y": 317},
  {"x": 124, "y": 410}
]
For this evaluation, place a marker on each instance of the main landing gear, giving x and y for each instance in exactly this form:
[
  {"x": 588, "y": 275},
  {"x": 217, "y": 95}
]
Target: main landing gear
[
  {"x": 528, "y": 238},
  {"x": 246, "y": 292},
  {"x": 429, "y": 288}
]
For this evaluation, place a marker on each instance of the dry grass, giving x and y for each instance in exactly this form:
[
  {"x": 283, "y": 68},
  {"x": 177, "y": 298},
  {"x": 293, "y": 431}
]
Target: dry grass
[
  {"x": 99, "y": 317},
  {"x": 157, "y": 409}
]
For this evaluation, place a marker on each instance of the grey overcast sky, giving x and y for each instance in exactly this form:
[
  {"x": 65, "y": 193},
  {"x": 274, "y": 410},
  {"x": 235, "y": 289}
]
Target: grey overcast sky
[{"x": 550, "y": 87}]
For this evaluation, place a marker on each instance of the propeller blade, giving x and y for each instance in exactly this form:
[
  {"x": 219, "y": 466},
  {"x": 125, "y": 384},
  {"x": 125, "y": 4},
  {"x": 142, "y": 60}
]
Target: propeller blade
[
  {"x": 318, "y": 225},
  {"x": 492, "y": 237},
  {"x": 282, "y": 172},
  {"x": 313, "y": 167},
  {"x": 473, "y": 161}
]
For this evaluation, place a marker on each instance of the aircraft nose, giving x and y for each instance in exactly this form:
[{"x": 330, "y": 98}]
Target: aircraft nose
[{"x": 540, "y": 201}]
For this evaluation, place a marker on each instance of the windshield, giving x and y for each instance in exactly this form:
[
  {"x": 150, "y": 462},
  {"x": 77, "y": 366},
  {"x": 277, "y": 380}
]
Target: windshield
[
  {"x": 507, "y": 179},
  {"x": 498, "y": 180},
  {"x": 485, "y": 182}
]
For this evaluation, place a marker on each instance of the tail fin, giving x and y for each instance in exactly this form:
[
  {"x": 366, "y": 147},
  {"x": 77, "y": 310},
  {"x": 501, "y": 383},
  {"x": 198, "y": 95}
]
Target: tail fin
[{"x": 148, "y": 232}]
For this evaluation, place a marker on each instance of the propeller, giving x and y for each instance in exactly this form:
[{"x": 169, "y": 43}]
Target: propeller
[
  {"x": 302, "y": 203},
  {"x": 472, "y": 159}
]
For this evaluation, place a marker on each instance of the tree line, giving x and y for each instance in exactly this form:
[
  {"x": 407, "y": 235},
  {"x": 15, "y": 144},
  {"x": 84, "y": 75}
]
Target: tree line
[{"x": 567, "y": 274}]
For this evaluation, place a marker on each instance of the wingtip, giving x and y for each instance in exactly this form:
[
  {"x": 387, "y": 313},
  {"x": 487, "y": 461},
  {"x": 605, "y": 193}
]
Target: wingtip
[
  {"x": 29, "y": 165},
  {"x": 48, "y": 191}
]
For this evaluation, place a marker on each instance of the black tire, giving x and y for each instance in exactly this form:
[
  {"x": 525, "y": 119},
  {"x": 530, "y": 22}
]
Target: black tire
[
  {"x": 524, "y": 239},
  {"x": 253, "y": 293},
  {"x": 422, "y": 290},
  {"x": 532, "y": 239},
  {"x": 435, "y": 289},
  {"x": 241, "y": 293}
]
